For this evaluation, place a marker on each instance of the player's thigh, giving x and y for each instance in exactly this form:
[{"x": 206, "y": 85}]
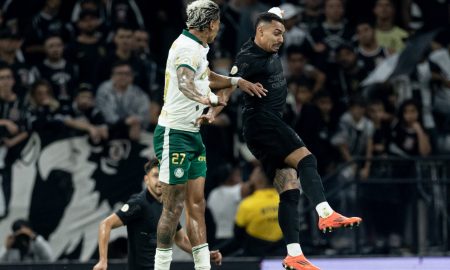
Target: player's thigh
[
  {"x": 286, "y": 179},
  {"x": 197, "y": 175},
  {"x": 172, "y": 148}
]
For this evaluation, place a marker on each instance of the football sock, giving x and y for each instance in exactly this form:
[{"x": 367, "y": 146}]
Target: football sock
[
  {"x": 163, "y": 258},
  {"x": 201, "y": 257},
  {"x": 294, "y": 249},
  {"x": 324, "y": 210},
  {"x": 310, "y": 180},
  {"x": 288, "y": 216}
]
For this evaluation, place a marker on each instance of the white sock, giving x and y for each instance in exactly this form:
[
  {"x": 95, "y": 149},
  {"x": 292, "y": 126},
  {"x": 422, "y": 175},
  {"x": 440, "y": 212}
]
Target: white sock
[
  {"x": 324, "y": 209},
  {"x": 201, "y": 257},
  {"x": 163, "y": 258},
  {"x": 294, "y": 249}
]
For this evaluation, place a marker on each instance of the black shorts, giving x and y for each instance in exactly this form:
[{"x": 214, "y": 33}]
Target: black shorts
[{"x": 270, "y": 139}]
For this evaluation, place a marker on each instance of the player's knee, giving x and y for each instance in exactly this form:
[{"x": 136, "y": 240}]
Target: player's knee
[
  {"x": 308, "y": 161},
  {"x": 286, "y": 179},
  {"x": 196, "y": 205}
]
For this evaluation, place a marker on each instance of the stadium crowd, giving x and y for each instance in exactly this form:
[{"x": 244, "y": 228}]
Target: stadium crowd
[{"x": 96, "y": 67}]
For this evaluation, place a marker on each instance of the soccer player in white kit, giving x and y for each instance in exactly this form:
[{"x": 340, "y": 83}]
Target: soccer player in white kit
[{"x": 177, "y": 140}]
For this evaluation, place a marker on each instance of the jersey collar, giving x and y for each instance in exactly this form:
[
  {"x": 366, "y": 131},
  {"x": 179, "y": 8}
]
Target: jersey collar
[{"x": 192, "y": 36}]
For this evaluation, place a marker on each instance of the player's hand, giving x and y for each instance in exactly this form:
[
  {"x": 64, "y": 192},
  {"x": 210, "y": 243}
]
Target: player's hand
[
  {"x": 101, "y": 265},
  {"x": 252, "y": 88},
  {"x": 204, "y": 119},
  {"x": 216, "y": 257}
]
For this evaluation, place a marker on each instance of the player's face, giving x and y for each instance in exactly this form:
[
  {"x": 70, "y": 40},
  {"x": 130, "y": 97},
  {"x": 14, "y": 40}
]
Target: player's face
[
  {"x": 272, "y": 36},
  {"x": 152, "y": 181},
  {"x": 213, "y": 30}
]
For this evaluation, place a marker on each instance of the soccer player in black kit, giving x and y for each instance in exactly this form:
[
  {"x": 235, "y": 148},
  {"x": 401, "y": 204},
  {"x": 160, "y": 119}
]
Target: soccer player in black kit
[
  {"x": 282, "y": 153},
  {"x": 141, "y": 215}
]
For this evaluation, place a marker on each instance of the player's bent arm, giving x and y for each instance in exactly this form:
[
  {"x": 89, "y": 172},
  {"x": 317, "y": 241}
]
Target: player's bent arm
[
  {"x": 182, "y": 241},
  {"x": 104, "y": 231},
  {"x": 219, "y": 82},
  {"x": 187, "y": 87}
]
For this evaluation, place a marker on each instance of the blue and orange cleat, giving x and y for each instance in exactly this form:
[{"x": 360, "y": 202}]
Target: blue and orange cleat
[
  {"x": 298, "y": 263},
  {"x": 337, "y": 220}
]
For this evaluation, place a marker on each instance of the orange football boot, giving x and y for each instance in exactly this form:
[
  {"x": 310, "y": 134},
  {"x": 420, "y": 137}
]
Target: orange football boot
[
  {"x": 337, "y": 220},
  {"x": 298, "y": 263}
]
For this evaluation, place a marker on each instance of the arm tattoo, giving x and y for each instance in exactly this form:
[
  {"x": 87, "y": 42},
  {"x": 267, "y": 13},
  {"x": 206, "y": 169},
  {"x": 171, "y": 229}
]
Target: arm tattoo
[
  {"x": 286, "y": 179},
  {"x": 186, "y": 84}
]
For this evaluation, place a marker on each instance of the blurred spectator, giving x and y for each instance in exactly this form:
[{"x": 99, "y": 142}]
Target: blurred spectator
[
  {"x": 61, "y": 74},
  {"x": 256, "y": 228},
  {"x": 312, "y": 14},
  {"x": 351, "y": 73},
  {"x": 300, "y": 96},
  {"x": 153, "y": 72},
  {"x": 408, "y": 136},
  {"x": 298, "y": 68},
  {"x": 354, "y": 136},
  {"x": 91, "y": 6},
  {"x": 440, "y": 68},
  {"x": 121, "y": 12},
  {"x": 294, "y": 35},
  {"x": 316, "y": 126},
  {"x": 44, "y": 113},
  {"x": 11, "y": 54},
  {"x": 25, "y": 245},
  {"x": 87, "y": 48},
  {"x": 332, "y": 33},
  {"x": 388, "y": 34},
  {"x": 123, "y": 41},
  {"x": 124, "y": 105},
  {"x": 231, "y": 189},
  {"x": 425, "y": 15},
  {"x": 44, "y": 24},
  {"x": 249, "y": 11},
  {"x": 11, "y": 118},
  {"x": 85, "y": 117},
  {"x": 381, "y": 135},
  {"x": 369, "y": 52},
  {"x": 225, "y": 43},
  {"x": 12, "y": 130}
]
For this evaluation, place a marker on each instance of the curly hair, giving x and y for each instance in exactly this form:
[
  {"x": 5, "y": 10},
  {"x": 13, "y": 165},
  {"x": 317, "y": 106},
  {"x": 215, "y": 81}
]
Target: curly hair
[{"x": 201, "y": 13}]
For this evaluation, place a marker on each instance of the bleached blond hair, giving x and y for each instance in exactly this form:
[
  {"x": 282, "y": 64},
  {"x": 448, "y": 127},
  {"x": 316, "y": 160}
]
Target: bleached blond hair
[{"x": 201, "y": 13}]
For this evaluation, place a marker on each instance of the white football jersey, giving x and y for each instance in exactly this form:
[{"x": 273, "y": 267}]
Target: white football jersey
[{"x": 180, "y": 112}]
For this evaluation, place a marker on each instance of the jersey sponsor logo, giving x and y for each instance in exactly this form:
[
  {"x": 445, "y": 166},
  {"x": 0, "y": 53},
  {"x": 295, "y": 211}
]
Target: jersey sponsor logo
[
  {"x": 125, "y": 208},
  {"x": 234, "y": 70},
  {"x": 179, "y": 172}
]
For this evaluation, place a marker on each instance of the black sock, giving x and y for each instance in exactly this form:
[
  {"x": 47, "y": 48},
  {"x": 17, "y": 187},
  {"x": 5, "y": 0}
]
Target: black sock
[
  {"x": 310, "y": 180},
  {"x": 288, "y": 216}
]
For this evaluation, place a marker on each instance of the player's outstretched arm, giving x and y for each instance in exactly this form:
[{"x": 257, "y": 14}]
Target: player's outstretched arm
[
  {"x": 104, "y": 231},
  {"x": 182, "y": 241},
  {"x": 218, "y": 81},
  {"x": 187, "y": 87},
  {"x": 210, "y": 116}
]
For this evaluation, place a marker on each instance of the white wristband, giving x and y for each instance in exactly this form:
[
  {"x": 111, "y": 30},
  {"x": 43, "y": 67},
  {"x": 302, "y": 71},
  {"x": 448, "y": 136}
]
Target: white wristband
[
  {"x": 213, "y": 98},
  {"x": 234, "y": 80}
]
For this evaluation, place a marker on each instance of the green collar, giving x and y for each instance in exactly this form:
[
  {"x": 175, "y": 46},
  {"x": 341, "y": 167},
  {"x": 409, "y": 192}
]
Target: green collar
[{"x": 192, "y": 36}]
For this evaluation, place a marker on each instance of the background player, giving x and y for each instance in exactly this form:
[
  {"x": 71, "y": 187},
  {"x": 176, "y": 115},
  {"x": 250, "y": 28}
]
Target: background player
[{"x": 141, "y": 214}]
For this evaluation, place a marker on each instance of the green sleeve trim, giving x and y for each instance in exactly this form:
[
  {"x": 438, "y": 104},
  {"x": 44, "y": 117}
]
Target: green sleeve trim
[{"x": 186, "y": 66}]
